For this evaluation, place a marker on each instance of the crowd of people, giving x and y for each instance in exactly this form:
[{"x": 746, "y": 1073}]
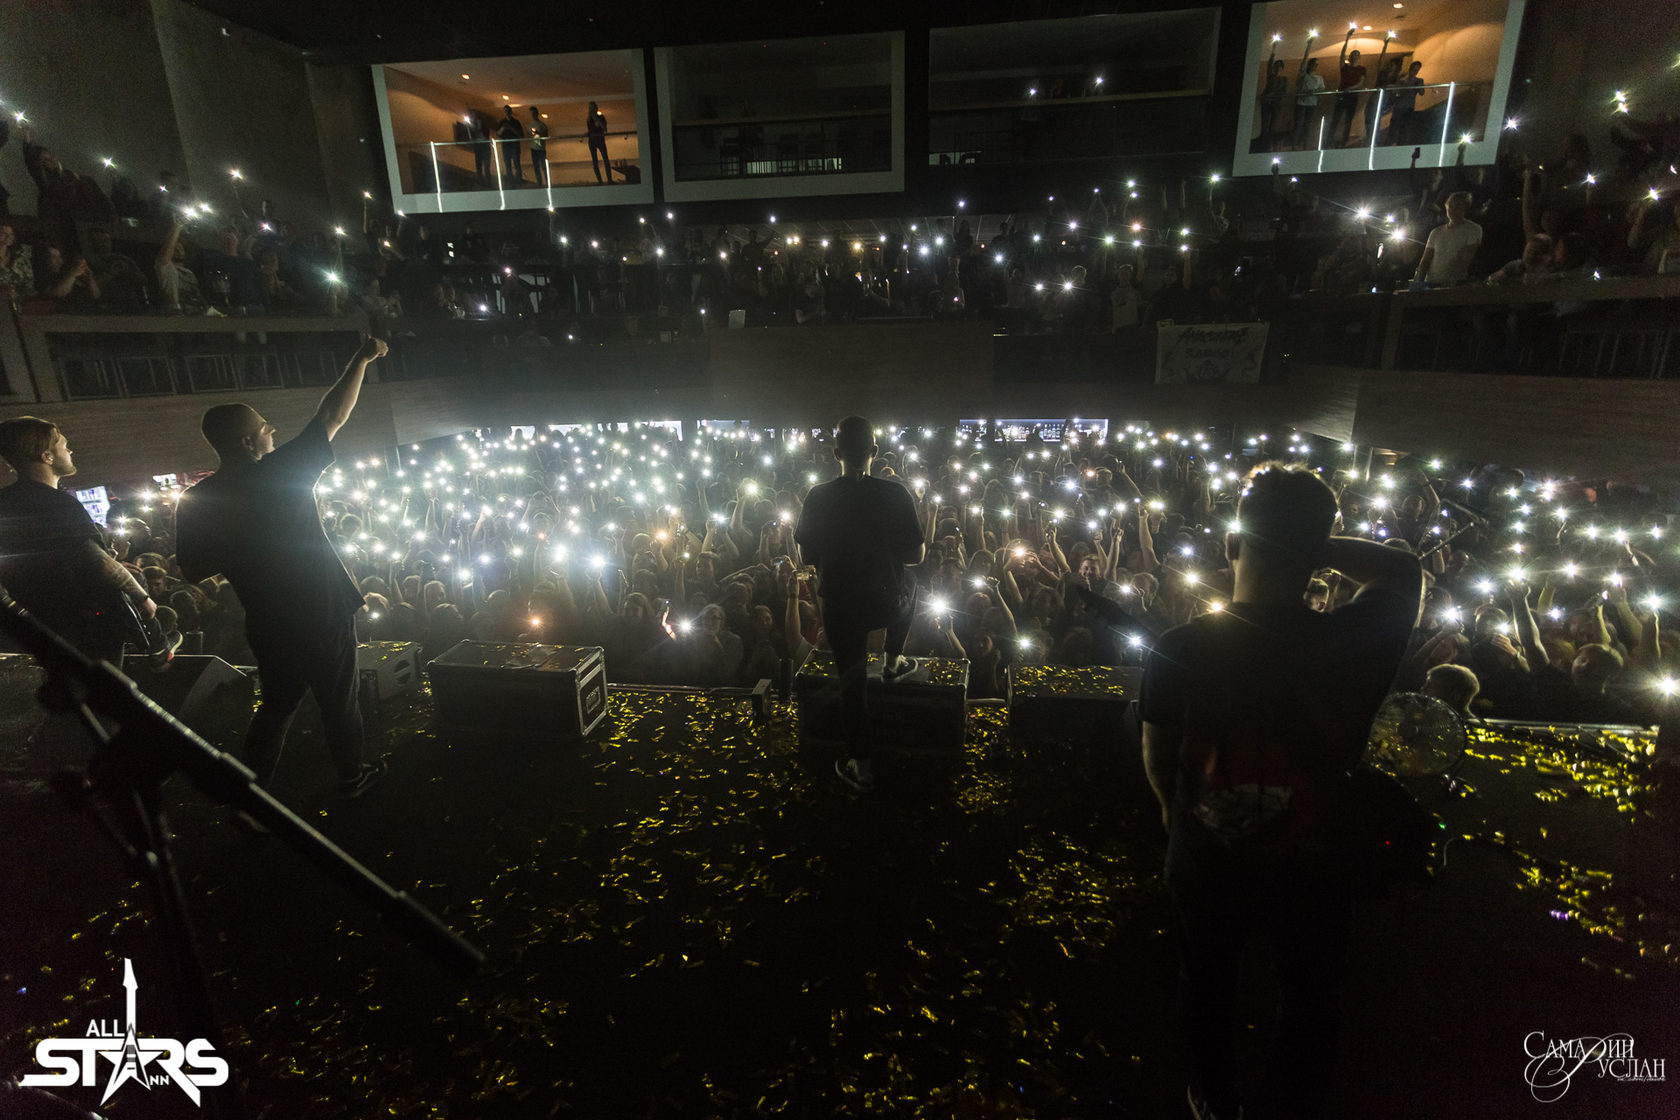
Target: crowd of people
[
  {"x": 1122, "y": 256},
  {"x": 1296, "y": 120},
  {"x": 1069, "y": 544}
]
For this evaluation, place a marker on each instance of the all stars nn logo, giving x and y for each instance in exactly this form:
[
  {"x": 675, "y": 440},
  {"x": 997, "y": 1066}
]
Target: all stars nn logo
[{"x": 148, "y": 1062}]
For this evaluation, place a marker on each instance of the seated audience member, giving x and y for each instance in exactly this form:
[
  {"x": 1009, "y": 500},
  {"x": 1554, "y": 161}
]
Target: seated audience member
[
  {"x": 1656, "y": 235},
  {"x": 17, "y": 268},
  {"x": 1352, "y": 267},
  {"x": 1533, "y": 266},
  {"x": 274, "y": 293},
  {"x": 1174, "y": 302},
  {"x": 377, "y": 303},
  {"x": 177, "y": 282},
  {"x": 71, "y": 285},
  {"x": 232, "y": 278},
  {"x": 121, "y": 284},
  {"x": 809, "y": 303}
]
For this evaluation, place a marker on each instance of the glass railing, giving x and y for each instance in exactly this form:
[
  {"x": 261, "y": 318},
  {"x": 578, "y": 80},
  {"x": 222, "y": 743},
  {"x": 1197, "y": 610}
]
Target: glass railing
[
  {"x": 1055, "y": 131},
  {"x": 1391, "y": 116},
  {"x": 817, "y": 144},
  {"x": 448, "y": 167}
]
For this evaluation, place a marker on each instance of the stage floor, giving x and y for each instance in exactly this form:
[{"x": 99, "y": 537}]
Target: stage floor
[{"x": 692, "y": 917}]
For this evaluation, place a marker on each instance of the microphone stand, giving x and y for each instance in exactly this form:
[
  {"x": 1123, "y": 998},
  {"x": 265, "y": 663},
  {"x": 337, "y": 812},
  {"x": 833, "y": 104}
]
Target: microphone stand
[
  {"x": 1445, "y": 541},
  {"x": 127, "y": 773}
]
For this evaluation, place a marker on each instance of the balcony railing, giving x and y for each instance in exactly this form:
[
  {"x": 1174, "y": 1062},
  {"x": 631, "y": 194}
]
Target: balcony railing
[
  {"x": 757, "y": 147},
  {"x": 1621, "y": 327},
  {"x": 450, "y": 167},
  {"x": 1391, "y": 116}
]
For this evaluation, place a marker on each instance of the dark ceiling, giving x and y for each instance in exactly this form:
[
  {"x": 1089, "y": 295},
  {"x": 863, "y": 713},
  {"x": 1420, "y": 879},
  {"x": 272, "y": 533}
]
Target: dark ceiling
[{"x": 410, "y": 30}]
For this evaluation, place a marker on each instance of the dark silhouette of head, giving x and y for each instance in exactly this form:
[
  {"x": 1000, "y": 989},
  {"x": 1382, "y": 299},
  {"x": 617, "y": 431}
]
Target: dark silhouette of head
[
  {"x": 854, "y": 442},
  {"x": 1285, "y": 517}
]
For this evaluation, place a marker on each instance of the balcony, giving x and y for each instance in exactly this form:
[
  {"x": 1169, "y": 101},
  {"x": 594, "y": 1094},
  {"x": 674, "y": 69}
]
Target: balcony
[
  {"x": 759, "y": 147},
  {"x": 1041, "y": 131}
]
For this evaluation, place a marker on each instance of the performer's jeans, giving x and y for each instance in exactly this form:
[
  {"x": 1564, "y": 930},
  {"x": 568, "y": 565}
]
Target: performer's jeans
[
  {"x": 848, "y": 636},
  {"x": 1301, "y": 907},
  {"x": 289, "y": 667}
]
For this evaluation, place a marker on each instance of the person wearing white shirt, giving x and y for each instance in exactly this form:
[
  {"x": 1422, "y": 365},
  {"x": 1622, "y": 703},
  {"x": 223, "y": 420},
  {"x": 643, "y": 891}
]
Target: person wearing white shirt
[
  {"x": 1308, "y": 85},
  {"x": 1451, "y": 247}
]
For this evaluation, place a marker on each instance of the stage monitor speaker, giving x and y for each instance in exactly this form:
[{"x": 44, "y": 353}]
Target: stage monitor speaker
[
  {"x": 1059, "y": 703},
  {"x": 537, "y": 690},
  {"x": 924, "y": 713},
  {"x": 205, "y": 693},
  {"x": 388, "y": 669}
]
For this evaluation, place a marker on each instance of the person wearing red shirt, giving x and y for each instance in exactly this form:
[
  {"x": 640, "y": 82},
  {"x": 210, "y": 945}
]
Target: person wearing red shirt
[{"x": 1347, "y": 95}]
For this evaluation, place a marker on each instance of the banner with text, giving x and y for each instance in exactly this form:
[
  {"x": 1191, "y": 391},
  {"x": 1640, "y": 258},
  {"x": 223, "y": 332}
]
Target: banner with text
[{"x": 1212, "y": 354}]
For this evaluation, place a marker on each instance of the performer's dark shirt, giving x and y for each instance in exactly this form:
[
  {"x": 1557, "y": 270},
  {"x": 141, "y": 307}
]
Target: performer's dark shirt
[
  {"x": 859, "y": 532},
  {"x": 257, "y": 524},
  {"x": 50, "y": 560},
  {"x": 1271, "y": 699}
]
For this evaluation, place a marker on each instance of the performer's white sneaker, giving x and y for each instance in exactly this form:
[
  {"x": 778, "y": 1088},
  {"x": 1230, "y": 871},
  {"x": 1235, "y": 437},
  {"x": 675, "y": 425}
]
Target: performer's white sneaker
[
  {"x": 900, "y": 666},
  {"x": 370, "y": 776},
  {"x": 856, "y": 773}
]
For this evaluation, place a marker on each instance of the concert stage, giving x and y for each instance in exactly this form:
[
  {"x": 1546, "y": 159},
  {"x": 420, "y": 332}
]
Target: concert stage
[{"x": 690, "y": 916}]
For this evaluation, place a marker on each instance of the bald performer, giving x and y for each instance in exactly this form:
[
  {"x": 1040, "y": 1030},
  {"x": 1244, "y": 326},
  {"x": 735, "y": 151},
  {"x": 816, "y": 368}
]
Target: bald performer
[{"x": 255, "y": 521}]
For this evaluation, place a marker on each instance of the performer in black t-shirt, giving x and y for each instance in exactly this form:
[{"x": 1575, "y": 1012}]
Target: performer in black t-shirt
[
  {"x": 1252, "y": 718},
  {"x": 255, "y": 521},
  {"x": 861, "y": 533},
  {"x": 53, "y": 559}
]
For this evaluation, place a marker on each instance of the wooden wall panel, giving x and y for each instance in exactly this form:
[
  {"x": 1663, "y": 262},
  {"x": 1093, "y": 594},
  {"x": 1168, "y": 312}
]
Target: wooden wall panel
[
  {"x": 792, "y": 376},
  {"x": 423, "y": 410},
  {"x": 1625, "y": 429}
]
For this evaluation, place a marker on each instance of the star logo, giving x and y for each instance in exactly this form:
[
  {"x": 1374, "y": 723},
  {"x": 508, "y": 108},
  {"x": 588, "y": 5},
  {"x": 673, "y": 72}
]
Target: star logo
[{"x": 147, "y": 1062}]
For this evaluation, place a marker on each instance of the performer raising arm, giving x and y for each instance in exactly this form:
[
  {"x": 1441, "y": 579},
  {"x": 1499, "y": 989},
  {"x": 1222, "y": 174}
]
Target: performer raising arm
[{"x": 255, "y": 521}]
